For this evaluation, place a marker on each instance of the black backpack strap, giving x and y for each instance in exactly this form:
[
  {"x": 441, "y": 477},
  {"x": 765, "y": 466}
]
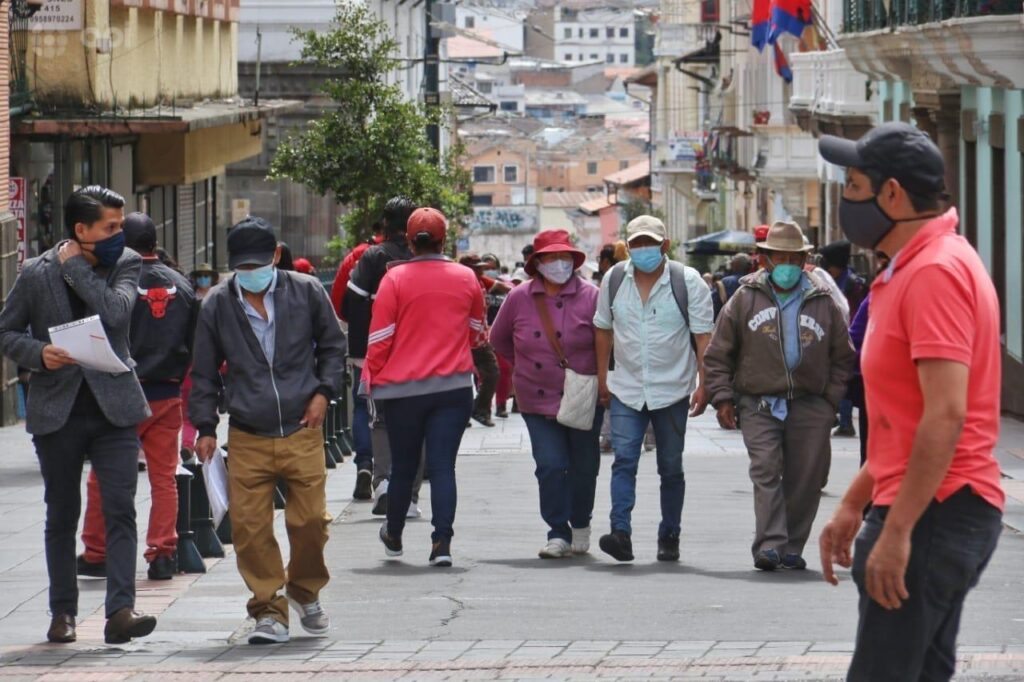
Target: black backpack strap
[
  {"x": 615, "y": 277},
  {"x": 677, "y": 279}
]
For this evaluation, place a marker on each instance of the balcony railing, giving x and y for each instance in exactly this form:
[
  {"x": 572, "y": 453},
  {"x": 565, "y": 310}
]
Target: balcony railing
[
  {"x": 870, "y": 15},
  {"x": 826, "y": 82}
]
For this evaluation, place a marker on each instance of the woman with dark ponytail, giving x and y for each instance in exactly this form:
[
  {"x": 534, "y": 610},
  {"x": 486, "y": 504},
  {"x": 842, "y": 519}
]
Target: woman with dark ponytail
[{"x": 428, "y": 315}]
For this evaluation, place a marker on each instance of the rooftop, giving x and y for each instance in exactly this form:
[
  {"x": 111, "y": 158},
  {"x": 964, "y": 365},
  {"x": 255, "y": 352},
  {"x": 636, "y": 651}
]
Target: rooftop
[{"x": 628, "y": 176}]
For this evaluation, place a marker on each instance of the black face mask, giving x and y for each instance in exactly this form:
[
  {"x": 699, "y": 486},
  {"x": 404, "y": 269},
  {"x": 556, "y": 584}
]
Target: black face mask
[
  {"x": 108, "y": 251},
  {"x": 864, "y": 222}
]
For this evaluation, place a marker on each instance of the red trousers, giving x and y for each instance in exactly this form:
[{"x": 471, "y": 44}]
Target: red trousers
[
  {"x": 504, "y": 382},
  {"x": 159, "y": 436}
]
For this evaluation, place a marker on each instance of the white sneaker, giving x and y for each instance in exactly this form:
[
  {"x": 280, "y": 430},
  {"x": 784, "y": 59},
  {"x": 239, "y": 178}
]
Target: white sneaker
[
  {"x": 581, "y": 540},
  {"x": 414, "y": 511},
  {"x": 269, "y": 631},
  {"x": 557, "y": 548},
  {"x": 312, "y": 616}
]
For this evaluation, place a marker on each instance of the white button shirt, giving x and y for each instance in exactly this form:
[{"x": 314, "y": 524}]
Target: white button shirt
[{"x": 654, "y": 362}]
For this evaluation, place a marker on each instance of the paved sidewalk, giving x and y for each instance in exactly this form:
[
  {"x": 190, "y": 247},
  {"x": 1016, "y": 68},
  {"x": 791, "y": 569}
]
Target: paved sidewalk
[{"x": 501, "y": 613}]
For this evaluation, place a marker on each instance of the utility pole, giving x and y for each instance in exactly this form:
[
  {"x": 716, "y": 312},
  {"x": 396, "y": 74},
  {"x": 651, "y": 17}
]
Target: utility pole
[
  {"x": 431, "y": 78},
  {"x": 259, "y": 64}
]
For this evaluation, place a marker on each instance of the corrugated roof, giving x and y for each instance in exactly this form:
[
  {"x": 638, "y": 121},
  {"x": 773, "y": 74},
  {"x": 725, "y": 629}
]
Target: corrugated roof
[
  {"x": 628, "y": 176},
  {"x": 569, "y": 199},
  {"x": 595, "y": 205}
]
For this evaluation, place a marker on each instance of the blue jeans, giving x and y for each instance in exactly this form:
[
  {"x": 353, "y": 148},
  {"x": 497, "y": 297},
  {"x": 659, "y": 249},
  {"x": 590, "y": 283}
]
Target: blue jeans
[
  {"x": 362, "y": 443},
  {"x": 628, "y": 427},
  {"x": 950, "y": 546},
  {"x": 845, "y": 413},
  {"x": 567, "y": 464},
  {"x": 439, "y": 420}
]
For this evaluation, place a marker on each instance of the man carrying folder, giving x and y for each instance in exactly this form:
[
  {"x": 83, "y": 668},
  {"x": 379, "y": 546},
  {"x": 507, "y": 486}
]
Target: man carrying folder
[{"x": 73, "y": 412}]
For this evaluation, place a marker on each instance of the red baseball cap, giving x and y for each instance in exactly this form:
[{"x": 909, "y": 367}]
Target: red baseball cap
[
  {"x": 303, "y": 265},
  {"x": 427, "y": 220},
  {"x": 553, "y": 241},
  {"x": 761, "y": 233}
]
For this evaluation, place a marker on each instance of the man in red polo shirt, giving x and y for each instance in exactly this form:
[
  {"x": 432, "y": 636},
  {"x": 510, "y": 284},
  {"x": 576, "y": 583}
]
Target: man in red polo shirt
[{"x": 931, "y": 366}]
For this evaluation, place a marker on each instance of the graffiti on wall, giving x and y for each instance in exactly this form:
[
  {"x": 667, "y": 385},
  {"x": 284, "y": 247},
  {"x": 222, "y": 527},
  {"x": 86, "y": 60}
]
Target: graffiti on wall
[{"x": 504, "y": 219}]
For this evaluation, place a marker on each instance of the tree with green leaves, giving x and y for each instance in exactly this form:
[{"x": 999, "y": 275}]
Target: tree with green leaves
[{"x": 372, "y": 144}]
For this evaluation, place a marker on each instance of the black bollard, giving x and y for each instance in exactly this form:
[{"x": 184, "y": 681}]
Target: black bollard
[
  {"x": 341, "y": 434},
  {"x": 333, "y": 448},
  {"x": 280, "y": 493},
  {"x": 328, "y": 458},
  {"x": 202, "y": 518},
  {"x": 189, "y": 559}
]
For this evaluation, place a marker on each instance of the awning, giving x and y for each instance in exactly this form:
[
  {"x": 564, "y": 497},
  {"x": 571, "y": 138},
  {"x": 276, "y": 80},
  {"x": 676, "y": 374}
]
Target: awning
[
  {"x": 724, "y": 242},
  {"x": 176, "y": 145}
]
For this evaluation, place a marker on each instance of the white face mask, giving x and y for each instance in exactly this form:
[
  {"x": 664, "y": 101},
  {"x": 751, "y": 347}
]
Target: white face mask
[{"x": 556, "y": 271}]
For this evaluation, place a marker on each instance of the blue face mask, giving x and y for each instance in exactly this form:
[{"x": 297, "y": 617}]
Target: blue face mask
[
  {"x": 108, "y": 251},
  {"x": 204, "y": 282},
  {"x": 786, "y": 276},
  {"x": 646, "y": 258},
  {"x": 255, "y": 281}
]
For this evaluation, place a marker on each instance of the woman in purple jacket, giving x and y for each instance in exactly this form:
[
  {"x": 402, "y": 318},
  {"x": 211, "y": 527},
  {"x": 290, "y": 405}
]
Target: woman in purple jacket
[{"x": 567, "y": 459}]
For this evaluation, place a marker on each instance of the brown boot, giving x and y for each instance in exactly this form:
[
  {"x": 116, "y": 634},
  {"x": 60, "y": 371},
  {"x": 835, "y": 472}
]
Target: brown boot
[
  {"x": 62, "y": 629},
  {"x": 126, "y": 625}
]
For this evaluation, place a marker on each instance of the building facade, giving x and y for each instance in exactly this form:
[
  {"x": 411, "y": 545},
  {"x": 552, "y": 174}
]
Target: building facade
[
  {"x": 594, "y": 34},
  {"x": 957, "y": 71},
  {"x": 136, "y": 97}
]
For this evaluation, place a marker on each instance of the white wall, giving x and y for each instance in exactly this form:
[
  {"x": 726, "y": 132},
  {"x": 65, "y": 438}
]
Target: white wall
[
  {"x": 275, "y": 19},
  {"x": 500, "y": 25}
]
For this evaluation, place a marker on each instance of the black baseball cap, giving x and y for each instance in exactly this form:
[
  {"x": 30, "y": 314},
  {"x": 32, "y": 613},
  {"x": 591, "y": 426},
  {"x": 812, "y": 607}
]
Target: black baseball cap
[
  {"x": 251, "y": 242},
  {"x": 139, "y": 232},
  {"x": 892, "y": 150}
]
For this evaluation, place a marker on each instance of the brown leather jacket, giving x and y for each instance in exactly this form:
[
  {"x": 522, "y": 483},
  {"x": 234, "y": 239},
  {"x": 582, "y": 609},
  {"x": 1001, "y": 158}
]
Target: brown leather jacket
[{"x": 746, "y": 355}]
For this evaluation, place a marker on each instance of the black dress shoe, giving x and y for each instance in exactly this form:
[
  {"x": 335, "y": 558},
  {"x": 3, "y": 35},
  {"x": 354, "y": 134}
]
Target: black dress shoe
[
  {"x": 163, "y": 567},
  {"x": 618, "y": 545},
  {"x": 89, "y": 569},
  {"x": 62, "y": 629},
  {"x": 125, "y": 625},
  {"x": 668, "y": 548},
  {"x": 483, "y": 418}
]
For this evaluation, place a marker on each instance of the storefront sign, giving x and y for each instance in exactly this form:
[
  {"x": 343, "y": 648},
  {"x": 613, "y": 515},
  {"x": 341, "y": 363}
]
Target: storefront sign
[
  {"x": 58, "y": 15},
  {"x": 18, "y": 204}
]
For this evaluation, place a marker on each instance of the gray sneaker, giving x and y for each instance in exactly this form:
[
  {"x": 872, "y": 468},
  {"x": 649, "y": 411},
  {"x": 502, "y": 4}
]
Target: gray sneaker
[
  {"x": 312, "y": 616},
  {"x": 269, "y": 631}
]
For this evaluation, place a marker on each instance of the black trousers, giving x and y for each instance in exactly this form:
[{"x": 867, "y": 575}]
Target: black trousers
[
  {"x": 950, "y": 547},
  {"x": 486, "y": 363},
  {"x": 114, "y": 454}
]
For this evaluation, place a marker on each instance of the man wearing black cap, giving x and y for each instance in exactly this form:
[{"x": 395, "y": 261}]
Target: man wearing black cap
[
  {"x": 163, "y": 321},
  {"x": 285, "y": 355},
  {"x": 931, "y": 367}
]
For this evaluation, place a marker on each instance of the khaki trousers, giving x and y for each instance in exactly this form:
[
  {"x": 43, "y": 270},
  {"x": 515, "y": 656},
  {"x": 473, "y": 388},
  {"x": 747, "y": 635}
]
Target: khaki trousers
[
  {"x": 789, "y": 465},
  {"x": 254, "y": 465}
]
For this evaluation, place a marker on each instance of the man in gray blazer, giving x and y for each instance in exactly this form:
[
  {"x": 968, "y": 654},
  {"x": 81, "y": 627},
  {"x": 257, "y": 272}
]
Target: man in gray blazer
[{"x": 73, "y": 412}]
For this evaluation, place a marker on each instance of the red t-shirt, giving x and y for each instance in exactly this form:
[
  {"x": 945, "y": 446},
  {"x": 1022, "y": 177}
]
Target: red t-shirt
[{"x": 936, "y": 302}]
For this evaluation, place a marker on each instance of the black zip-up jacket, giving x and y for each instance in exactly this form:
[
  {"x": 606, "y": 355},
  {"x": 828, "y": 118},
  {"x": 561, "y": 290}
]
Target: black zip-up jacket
[
  {"x": 362, "y": 289},
  {"x": 264, "y": 399},
  {"x": 163, "y": 324}
]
